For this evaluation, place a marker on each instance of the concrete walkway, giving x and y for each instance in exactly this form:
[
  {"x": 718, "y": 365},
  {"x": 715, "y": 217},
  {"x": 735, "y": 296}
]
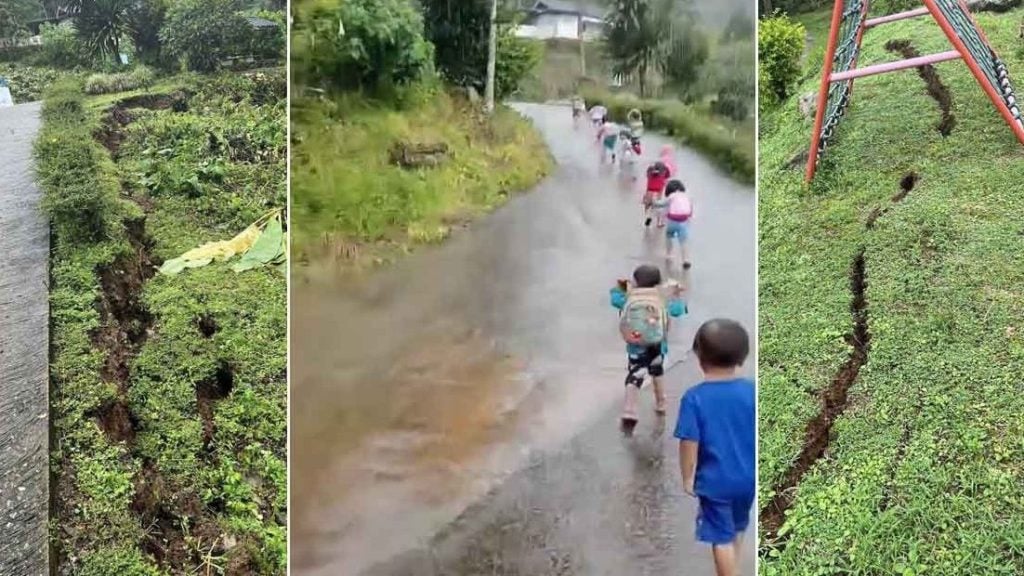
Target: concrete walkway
[{"x": 24, "y": 357}]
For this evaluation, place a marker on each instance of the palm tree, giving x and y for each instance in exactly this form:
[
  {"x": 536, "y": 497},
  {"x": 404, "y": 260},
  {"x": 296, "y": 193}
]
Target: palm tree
[{"x": 103, "y": 24}]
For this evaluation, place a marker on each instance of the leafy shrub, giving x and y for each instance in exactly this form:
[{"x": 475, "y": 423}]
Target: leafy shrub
[
  {"x": 74, "y": 172},
  {"x": 203, "y": 33},
  {"x": 780, "y": 43},
  {"x": 62, "y": 48},
  {"x": 64, "y": 103},
  {"x": 516, "y": 59},
  {"x": 257, "y": 88},
  {"x": 140, "y": 77},
  {"x": 731, "y": 105},
  {"x": 381, "y": 42},
  {"x": 29, "y": 83}
]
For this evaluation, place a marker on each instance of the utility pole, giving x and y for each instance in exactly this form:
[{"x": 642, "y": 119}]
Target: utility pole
[
  {"x": 579, "y": 32},
  {"x": 492, "y": 54}
]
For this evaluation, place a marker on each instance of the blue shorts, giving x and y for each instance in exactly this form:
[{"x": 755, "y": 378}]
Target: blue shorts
[
  {"x": 680, "y": 230},
  {"x": 609, "y": 143},
  {"x": 721, "y": 521}
]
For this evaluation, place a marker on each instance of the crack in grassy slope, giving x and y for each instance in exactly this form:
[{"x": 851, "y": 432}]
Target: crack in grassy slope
[
  {"x": 835, "y": 397},
  {"x": 936, "y": 89}
]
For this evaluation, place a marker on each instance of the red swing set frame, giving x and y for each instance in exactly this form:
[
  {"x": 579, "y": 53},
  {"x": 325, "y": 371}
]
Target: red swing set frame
[{"x": 960, "y": 52}]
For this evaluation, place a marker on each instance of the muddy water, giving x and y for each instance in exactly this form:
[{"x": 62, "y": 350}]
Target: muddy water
[{"x": 487, "y": 372}]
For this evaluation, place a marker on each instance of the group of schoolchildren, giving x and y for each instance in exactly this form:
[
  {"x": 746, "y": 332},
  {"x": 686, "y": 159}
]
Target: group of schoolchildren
[{"x": 716, "y": 424}]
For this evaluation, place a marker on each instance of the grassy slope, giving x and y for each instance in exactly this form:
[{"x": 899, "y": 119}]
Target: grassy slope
[
  {"x": 160, "y": 501},
  {"x": 924, "y": 470},
  {"x": 349, "y": 201}
]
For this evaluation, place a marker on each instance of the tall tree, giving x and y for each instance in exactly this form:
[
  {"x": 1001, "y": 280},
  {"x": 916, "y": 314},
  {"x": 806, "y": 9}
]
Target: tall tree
[
  {"x": 635, "y": 34},
  {"x": 103, "y": 25}
]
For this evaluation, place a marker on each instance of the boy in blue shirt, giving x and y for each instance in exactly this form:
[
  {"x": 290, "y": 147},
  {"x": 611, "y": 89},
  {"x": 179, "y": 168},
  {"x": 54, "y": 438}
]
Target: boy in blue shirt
[
  {"x": 716, "y": 432},
  {"x": 645, "y": 304}
]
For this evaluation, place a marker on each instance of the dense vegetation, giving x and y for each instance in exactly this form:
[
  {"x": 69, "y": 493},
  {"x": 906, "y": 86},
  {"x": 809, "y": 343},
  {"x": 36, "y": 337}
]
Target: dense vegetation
[
  {"x": 169, "y": 394},
  {"x": 395, "y": 80},
  {"x": 920, "y": 235},
  {"x": 158, "y": 37}
]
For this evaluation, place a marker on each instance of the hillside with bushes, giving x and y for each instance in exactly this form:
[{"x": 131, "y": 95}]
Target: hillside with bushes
[
  {"x": 392, "y": 145},
  {"x": 168, "y": 394}
]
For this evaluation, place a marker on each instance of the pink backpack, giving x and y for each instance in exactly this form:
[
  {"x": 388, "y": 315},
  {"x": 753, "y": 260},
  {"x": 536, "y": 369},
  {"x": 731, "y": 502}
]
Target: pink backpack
[{"x": 679, "y": 208}]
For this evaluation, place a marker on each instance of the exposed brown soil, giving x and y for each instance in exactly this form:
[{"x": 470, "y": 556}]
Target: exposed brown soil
[
  {"x": 216, "y": 387},
  {"x": 907, "y": 184},
  {"x": 111, "y": 130},
  {"x": 116, "y": 421},
  {"x": 834, "y": 402},
  {"x": 207, "y": 325},
  {"x": 936, "y": 89}
]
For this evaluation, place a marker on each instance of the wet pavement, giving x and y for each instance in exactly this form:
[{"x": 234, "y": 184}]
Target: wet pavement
[
  {"x": 24, "y": 344},
  {"x": 457, "y": 413}
]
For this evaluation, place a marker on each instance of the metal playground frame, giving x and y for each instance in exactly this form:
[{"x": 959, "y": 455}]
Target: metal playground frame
[{"x": 849, "y": 21}]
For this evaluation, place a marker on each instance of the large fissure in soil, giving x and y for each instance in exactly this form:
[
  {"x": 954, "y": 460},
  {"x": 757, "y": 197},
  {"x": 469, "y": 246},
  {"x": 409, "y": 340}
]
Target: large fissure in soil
[
  {"x": 125, "y": 324},
  {"x": 834, "y": 398},
  {"x": 111, "y": 130},
  {"x": 936, "y": 89},
  {"x": 834, "y": 401}
]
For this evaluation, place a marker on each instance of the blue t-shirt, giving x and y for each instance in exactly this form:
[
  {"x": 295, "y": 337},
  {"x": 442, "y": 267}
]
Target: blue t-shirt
[{"x": 720, "y": 417}]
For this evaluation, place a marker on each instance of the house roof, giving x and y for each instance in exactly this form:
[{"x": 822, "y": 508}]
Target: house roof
[{"x": 567, "y": 7}]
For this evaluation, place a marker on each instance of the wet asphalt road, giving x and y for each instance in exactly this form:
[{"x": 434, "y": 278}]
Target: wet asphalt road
[
  {"x": 24, "y": 342},
  {"x": 457, "y": 413}
]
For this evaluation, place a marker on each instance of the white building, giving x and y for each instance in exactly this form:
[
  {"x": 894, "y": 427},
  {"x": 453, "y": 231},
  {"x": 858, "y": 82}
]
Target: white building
[{"x": 562, "y": 19}]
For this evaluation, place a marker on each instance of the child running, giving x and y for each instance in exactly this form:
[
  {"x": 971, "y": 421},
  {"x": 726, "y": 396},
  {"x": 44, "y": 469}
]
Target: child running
[
  {"x": 678, "y": 210},
  {"x": 608, "y": 136},
  {"x": 579, "y": 108},
  {"x": 598, "y": 115},
  {"x": 717, "y": 441},
  {"x": 644, "y": 323},
  {"x": 657, "y": 177}
]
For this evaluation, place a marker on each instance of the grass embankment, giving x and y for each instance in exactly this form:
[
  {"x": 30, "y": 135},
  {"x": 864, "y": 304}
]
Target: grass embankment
[
  {"x": 168, "y": 400},
  {"x": 350, "y": 202},
  {"x": 921, "y": 472},
  {"x": 729, "y": 144}
]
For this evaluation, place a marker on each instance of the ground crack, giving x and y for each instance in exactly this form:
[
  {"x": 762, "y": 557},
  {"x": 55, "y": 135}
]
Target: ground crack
[
  {"x": 834, "y": 402},
  {"x": 125, "y": 324},
  {"x": 835, "y": 397},
  {"x": 936, "y": 89}
]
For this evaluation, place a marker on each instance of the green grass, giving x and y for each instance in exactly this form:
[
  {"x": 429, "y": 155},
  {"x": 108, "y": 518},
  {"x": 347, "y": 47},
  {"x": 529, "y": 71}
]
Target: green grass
[
  {"x": 171, "y": 499},
  {"x": 28, "y": 83},
  {"x": 349, "y": 201},
  {"x": 924, "y": 470},
  {"x": 729, "y": 144}
]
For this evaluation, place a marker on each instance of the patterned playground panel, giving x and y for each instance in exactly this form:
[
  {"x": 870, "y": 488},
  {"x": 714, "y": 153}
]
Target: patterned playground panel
[{"x": 849, "y": 21}]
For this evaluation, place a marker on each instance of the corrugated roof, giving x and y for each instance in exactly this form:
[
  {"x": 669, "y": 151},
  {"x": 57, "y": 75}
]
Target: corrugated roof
[{"x": 569, "y": 6}]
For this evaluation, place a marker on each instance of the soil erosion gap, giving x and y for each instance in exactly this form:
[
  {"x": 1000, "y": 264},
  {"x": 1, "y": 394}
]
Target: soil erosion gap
[
  {"x": 835, "y": 397},
  {"x": 936, "y": 89}
]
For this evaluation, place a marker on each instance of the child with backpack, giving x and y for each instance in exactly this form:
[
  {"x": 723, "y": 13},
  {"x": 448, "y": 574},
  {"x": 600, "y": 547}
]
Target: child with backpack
[
  {"x": 645, "y": 310},
  {"x": 608, "y": 136},
  {"x": 657, "y": 177},
  {"x": 716, "y": 432},
  {"x": 678, "y": 212}
]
